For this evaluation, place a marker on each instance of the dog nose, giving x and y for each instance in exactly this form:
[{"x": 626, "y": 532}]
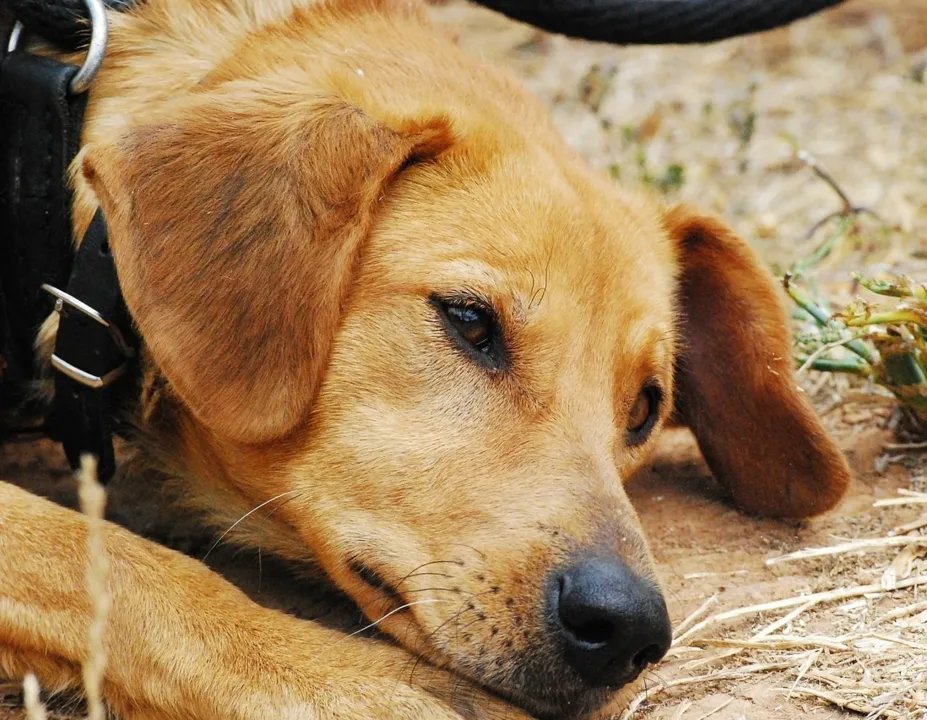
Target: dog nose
[{"x": 614, "y": 623}]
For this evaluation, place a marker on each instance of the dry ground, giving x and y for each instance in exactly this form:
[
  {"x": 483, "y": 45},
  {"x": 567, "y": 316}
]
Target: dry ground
[{"x": 719, "y": 126}]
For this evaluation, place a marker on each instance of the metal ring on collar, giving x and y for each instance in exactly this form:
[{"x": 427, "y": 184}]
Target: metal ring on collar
[
  {"x": 15, "y": 34},
  {"x": 99, "y": 32}
]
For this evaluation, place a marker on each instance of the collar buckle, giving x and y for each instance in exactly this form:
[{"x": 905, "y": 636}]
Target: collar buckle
[
  {"x": 91, "y": 351},
  {"x": 88, "y": 379}
]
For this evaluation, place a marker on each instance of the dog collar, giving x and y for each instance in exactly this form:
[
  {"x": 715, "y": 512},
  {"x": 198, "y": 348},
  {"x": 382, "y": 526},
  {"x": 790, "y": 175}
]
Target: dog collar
[{"x": 42, "y": 104}]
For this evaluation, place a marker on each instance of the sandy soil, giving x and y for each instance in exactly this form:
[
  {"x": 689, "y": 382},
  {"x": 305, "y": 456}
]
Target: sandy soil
[{"x": 849, "y": 87}]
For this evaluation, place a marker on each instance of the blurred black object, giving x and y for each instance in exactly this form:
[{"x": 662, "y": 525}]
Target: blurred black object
[
  {"x": 621, "y": 22},
  {"x": 657, "y": 22}
]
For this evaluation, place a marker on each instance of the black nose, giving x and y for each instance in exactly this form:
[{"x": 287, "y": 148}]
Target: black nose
[{"x": 614, "y": 623}]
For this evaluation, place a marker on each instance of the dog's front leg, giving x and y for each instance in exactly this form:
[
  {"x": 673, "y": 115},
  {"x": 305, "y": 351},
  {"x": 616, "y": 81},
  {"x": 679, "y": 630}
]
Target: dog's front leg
[{"x": 184, "y": 643}]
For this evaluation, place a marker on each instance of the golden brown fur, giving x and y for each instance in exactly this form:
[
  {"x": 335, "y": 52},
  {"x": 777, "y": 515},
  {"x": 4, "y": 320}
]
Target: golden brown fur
[{"x": 286, "y": 187}]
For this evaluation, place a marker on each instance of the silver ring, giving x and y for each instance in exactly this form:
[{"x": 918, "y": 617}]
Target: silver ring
[
  {"x": 15, "y": 35},
  {"x": 99, "y": 32}
]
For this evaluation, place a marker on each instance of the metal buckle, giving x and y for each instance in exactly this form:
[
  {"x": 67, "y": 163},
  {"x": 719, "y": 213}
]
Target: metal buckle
[
  {"x": 85, "y": 378},
  {"x": 99, "y": 32},
  {"x": 75, "y": 373}
]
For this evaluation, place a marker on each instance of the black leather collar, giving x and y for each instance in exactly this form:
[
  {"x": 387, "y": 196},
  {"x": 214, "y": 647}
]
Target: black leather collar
[
  {"x": 63, "y": 22},
  {"x": 95, "y": 351},
  {"x": 40, "y": 124}
]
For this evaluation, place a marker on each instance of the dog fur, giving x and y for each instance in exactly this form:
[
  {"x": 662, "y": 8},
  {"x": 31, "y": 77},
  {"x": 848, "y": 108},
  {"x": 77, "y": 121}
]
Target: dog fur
[{"x": 287, "y": 185}]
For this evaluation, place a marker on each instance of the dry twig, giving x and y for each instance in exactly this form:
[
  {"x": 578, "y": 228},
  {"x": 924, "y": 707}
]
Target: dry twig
[
  {"x": 735, "y": 674},
  {"x": 35, "y": 710},
  {"x": 93, "y": 501},
  {"x": 695, "y": 615},
  {"x": 826, "y": 596},
  {"x": 854, "y": 546},
  {"x": 854, "y": 705}
]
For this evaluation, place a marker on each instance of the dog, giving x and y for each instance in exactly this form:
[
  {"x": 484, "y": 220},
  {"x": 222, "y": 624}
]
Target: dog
[{"x": 377, "y": 293}]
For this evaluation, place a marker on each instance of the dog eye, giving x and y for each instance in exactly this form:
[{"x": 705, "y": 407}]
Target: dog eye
[
  {"x": 644, "y": 414},
  {"x": 473, "y": 327}
]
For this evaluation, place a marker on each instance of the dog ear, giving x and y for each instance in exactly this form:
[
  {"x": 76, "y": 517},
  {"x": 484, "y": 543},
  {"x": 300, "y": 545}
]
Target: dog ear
[
  {"x": 736, "y": 387},
  {"x": 234, "y": 231}
]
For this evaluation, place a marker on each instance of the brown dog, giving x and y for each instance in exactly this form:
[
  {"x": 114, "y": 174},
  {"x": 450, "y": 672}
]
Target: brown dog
[{"x": 376, "y": 288}]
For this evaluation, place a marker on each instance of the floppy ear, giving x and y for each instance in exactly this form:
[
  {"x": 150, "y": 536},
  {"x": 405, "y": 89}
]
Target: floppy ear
[
  {"x": 234, "y": 230},
  {"x": 736, "y": 387}
]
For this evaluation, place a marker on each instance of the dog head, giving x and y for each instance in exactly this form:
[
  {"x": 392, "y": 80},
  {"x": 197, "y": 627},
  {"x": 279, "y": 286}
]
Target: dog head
[{"x": 393, "y": 304}]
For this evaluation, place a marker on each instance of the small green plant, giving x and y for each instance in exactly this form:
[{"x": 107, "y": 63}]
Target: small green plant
[
  {"x": 672, "y": 178},
  {"x": 886, "y": 343},
  {"x": 885, "y": 340},
  {"x": 668, "y": 180}
]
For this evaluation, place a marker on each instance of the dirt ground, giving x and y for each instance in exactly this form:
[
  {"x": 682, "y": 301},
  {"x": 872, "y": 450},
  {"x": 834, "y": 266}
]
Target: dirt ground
[{"x": 720, "y": 126}]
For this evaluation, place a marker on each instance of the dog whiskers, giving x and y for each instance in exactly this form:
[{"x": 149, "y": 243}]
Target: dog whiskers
[
  {"x": 419, "y": 655},
  {"x": 415, "y": 570},
  {"x": 470, "y": 547},
  {"x": 429, "y": 601},
  {"x": 414, "y": 573},
  {"x": 261, "y": 536},
  {"x": 376, "y": 622},
  {"x": 245, "y": 517},
  {"x": 425, "y": 574},
  {"x": 456, "y": 687},
  {"x": 472, "y": 609},
  {"x": 652, "y": 671},
  {"x": 454, "y": 618},
  {"x": 395, "y": 589},
  {"x": 461, "y": 629},
  {"x": 420, "y": 590}
]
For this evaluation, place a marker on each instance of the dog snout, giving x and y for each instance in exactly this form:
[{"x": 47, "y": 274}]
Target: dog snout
[{"x": 612, "y": 622}]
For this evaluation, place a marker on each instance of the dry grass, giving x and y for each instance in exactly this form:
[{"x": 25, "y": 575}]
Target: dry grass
[
  {"x": 838, "y": 646},
  {"x": 35, "y": 710},
  {"x": 92, "y": 503}
]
